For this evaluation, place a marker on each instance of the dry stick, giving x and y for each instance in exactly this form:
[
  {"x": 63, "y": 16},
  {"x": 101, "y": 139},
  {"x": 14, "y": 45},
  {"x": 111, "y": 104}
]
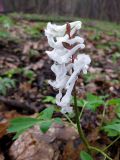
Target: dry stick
[{"x": 18, "y": 105}]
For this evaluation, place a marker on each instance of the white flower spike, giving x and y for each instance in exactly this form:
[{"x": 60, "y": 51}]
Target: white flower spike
[{"x": 67, "y": 64}]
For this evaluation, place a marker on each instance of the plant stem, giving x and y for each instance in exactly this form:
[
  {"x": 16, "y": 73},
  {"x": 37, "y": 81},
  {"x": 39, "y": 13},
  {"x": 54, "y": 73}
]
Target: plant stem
[
  {"x": 70, "y": 121},
  {"x": 82, "y": 110},
  {"x": 103, "y": 114},
  {"x": 80, "y": 131},
  {"x": 100, "y": 151},
  {"x": 111, "y": 143}
]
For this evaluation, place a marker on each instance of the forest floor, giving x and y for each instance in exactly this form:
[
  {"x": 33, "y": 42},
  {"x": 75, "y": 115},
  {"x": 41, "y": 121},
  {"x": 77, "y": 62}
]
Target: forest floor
[{"x": 24, "y": 91}]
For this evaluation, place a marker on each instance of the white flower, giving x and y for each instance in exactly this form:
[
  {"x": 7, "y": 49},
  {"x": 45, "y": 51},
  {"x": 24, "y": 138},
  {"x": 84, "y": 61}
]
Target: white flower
[
  {"x": 66, "y": 69},
  {"x": 60, "y": 71},
  {"x": 59, "y": 31},
  {"x": 64, "y": 101},
  {"x": 63, "y": 55},
  {"x": 81, "y": 63}
]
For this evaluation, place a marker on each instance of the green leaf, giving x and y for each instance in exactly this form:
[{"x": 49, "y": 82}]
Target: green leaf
[
  {"x": 19, "y": 133},
  {"x": 4, "y": 34},
  {"x": 2, "y": 89},
  {"x": 44, "y": 126},
  {"x": 117, "y": 110},
  {"x": 58, "y": 120},
  {"x": 6, "y": 21},
  {"x": 111, "y": 133},
  {"x": 115, "y": 127},
  {"x": 80, "y": 102},
  {"x": 6, "y": 83},
  {"x": 85, "y": 156},
  {"x": 114, "y": 101},
  {"x": 19, "y": 124},
  {"x": 47, "y": 113},
  {"x": 112, "y": 128},
  {"x": 29, "y": 74},
  {"x": 49, "y": 99},
  {"x": 93, "y": 101}
]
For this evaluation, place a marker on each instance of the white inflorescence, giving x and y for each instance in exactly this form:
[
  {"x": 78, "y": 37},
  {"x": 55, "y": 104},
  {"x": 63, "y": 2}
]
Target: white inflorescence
[{"x": 67, "y": 63}]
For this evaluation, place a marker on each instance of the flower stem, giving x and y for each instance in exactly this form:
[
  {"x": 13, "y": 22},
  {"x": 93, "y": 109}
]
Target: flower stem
[
  {"x": 100, "y": 151},
  {"x": 80, "y": 131}
]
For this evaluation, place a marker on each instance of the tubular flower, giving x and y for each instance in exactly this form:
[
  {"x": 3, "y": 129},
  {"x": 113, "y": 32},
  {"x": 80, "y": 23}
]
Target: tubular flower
[{"x": 68, "y": 63}]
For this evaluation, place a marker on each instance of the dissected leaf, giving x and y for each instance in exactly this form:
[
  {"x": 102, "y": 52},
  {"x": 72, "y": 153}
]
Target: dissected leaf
[
  {"x": 85, "y": 156},
  {"x": 114, "y": 101},
  {"x": 6, "y": 83},
  {"x": 93, "y": 101},
  {"x": 47, "y": 113},
  {"x": 44, "y": 126},
  {"x": 58, "y": 120},
  {"x": 112, "y": 128},
  {"x": 49, "y": 99},
  {"x": 18, "y": 124}
]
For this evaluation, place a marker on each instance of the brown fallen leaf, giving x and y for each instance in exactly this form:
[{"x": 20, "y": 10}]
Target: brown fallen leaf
[
  {"x": 3, "y": 128},
  {"x": 27, "y": 47},
  {"x": 25, "y": 86},
  {"x": 1, "y": 156},
  {"x": 4, "y": 123},
  {"x": 34, "y": 145},
  {"x": 94, "y": 135},
  {"x": 72, "y": 149}
]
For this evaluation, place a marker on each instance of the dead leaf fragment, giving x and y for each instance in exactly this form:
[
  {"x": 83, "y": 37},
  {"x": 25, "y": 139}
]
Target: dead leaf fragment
[{"x": 34, "y": 145}]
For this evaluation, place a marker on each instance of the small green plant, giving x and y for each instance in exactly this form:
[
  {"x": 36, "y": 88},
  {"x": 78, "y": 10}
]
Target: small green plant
[
  {"x": 49, "y": 99},
  {"x": 5, "y": 84},
  {"x": 96, "y": 36},
  {"x": 115, "y": 57},
  {"x": 91, "y": 102},
  {"x": 89, "y": 77},
  {"x": 113, "y": 128},
  {"x": 6, "y": 21},
  {"x": 10, "y": 73},
  {"x": 27, "y": 73},
  {"x": 85, "y": 156},
  {"x": 30, "y": 75},
  {"x": 35, "y": 31},
  {"x": 44, "y": 120},
  {"x": 4, "y": 34}
]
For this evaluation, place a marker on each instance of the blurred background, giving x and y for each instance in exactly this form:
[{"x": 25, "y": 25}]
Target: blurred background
[{"x": 98, "y": 9}]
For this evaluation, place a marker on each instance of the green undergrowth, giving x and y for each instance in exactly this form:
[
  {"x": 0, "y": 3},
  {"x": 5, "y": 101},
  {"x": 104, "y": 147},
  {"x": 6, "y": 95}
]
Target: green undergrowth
[
  {"x": 90, "y": 102},
  {"x": 11, "y": 20}
]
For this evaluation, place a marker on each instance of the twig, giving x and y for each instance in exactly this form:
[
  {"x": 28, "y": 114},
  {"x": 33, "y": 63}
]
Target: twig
[{"x": 18, "y": 105}]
